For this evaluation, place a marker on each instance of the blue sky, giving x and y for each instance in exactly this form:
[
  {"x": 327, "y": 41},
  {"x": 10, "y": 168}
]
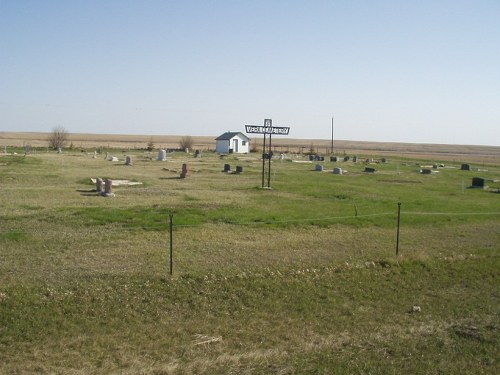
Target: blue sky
[{"x": 396, "y": 71}]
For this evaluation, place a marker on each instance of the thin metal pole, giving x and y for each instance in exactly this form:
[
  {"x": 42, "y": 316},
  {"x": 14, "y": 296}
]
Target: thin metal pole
[
  {"x": 332, "y": 136},
  {"x": 269, "y": 172},
  {"x": 399, "y": 221},
  {"x": 263, "y": 160},
  {"x": 171, "y": 215}
]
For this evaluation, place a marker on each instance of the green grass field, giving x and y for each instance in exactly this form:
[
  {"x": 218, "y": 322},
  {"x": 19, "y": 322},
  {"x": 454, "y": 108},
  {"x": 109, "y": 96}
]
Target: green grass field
[{"x": 300, "y": 279}]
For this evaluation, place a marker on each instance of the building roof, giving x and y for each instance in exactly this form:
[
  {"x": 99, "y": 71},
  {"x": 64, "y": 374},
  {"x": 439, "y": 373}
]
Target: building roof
[{"x": 230, "y": 135}]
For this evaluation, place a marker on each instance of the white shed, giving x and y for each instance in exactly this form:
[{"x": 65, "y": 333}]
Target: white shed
[{"x": 235, "y": 142}]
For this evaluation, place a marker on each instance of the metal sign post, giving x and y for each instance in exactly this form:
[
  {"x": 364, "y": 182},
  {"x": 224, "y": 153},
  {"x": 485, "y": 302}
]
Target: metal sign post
[
  {"x": 171, "y": 227},
  {"x": 268, "y": 128}
]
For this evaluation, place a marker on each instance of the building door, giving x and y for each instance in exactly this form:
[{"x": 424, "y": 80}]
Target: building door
[{"x": 235, "y": 145}]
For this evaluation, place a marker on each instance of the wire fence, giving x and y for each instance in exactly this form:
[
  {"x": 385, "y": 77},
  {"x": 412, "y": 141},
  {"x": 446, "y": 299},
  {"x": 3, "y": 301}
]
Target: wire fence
[
  {"x": 271, "y": 222},
  {"x": 227, "y": 247}
]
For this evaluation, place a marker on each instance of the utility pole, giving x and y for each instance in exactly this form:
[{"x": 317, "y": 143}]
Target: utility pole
[{"x": 332, "y": 135}]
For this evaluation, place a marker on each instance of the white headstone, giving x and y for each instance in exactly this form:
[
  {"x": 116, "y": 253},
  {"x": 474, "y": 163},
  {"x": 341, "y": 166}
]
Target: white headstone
[{"x": 162, "y": 155}]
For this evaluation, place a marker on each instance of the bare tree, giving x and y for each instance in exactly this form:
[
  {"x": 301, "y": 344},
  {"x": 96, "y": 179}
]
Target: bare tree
[
  {"x": 186, "y": 142},
  {"x": 58, "y": 138},
  {"x": 151, "y": 144}
]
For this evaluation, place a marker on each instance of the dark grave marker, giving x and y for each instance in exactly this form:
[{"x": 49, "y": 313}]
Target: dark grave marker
[
  {"x": 478, "y": 182},
  {"x": 185, "y": 170}
]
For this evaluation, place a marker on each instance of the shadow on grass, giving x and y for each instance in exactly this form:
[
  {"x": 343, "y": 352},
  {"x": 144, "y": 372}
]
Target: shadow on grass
[{"x": 88, "y": 193}]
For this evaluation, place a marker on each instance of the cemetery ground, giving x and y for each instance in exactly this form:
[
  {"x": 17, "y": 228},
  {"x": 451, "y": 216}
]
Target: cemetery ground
[{"x": 301, "y": 278}]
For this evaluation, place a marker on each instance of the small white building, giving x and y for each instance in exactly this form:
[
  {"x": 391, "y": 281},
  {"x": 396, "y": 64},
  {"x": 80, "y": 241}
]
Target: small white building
[{"x": 235, "y": 142}]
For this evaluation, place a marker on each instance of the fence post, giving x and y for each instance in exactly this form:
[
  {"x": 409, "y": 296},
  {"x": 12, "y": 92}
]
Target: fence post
[
  {"x": 171, "y": 226},
  {"x": 399, "y": 221}
]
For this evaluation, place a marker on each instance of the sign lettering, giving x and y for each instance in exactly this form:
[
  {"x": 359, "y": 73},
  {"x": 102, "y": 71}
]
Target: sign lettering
[{"x": 279, "y": 130}]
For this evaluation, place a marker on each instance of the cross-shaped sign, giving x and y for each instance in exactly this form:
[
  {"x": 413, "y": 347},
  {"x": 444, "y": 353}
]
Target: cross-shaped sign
[{"x": 268, "y": 128}]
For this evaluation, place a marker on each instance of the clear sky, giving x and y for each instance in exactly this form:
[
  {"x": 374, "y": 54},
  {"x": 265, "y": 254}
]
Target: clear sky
[{"x": 398, "y": 71}]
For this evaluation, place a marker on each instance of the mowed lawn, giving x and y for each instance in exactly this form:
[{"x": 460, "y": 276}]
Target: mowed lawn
[{"x": 302, "y": 278}]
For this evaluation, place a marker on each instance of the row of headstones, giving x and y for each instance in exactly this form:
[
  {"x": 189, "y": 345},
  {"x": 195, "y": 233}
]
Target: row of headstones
[
  {"x": 463, "y": 167},
  {"x": 185, "y": 168},
  {"x": 162, "y": 154},
  {"x": 128, "y": 158},
  {"x": 355, "y": 159},
  {"x": 338, "y": 170},
  {"x": 336, "y": 159},
  {"x": 227, "y": 168}
]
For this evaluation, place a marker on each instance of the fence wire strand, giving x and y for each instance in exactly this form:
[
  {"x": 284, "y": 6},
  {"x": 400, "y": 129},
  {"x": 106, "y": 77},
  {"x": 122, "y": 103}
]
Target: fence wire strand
[{"x": 110, "y": 229}]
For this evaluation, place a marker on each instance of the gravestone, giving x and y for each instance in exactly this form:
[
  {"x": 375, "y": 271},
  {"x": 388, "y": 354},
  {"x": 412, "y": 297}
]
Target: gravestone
[
  {"x": 319, "y": 168},
  {"x": 128, "y": 160},
  {"x": 227, "y": 168},
  {"x": 59, "y": 150},
  {"x": 185, "y": 170},
  {"x": 311, "y": 157},
  {"x": 346, "y": 158},
  {"x": 425, "y": 171},
  {"x": 383, "y": 160},
  {"x": 370, "y": 170},
  {"x": 108, "y": 188},
  {"x": 465, "y": 167},
  {"x": 95, "y": 154},
  {"x": 197, "y": 154},
  {"x": 337, "y": 170},
  {"x": 355, "y": 158},
  {"x": 98, "y": 184},
  {"x": 478, "y": 182},
  {"x": 162, "y": 155},
  {"x": 239, "y": 169},
  {"x": 333, "y": 158}
]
